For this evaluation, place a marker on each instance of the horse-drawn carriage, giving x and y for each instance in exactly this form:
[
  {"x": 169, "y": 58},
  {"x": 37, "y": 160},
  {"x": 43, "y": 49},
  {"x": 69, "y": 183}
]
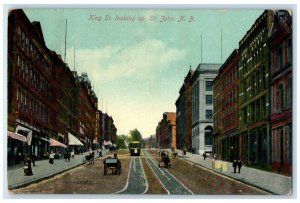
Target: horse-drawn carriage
[
  {"x": 164, "y": 160},
  {"x": 113, "y": 165}
]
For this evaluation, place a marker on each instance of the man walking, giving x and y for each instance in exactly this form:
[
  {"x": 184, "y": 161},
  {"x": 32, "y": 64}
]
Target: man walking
[
  {"x": 239, "y": 165},
  {"x": 234, "y": 164}
]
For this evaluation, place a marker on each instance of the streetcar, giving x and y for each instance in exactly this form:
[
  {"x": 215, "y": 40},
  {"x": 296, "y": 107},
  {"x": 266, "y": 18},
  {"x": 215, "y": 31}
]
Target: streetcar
[{"x": 135, "y": 148}]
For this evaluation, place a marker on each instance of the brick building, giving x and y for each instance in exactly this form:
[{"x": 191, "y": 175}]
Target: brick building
[
  {"x": 225, "y": 92},
  {"x": 280, "y": 44},
  {"x": 180, "y": 119},
  {"x": 67, "y": 100},
  {"x": 184, "y": 113},
  {"x": 166, "y": 130},
  {"x": 88, "y": 104},
  {"x": 32, "y": 107}
]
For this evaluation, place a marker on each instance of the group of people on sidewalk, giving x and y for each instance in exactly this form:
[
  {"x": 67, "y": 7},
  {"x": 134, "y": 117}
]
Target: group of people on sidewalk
[{"x": 29, "y": 161}]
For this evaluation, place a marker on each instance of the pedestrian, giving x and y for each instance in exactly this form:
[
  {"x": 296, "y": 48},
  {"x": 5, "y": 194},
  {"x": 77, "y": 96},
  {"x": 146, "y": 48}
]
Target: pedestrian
[
  {"x": 204, "y": 156},
  {"x": 51, "y": 158},
  {"x": 68, "y": 156},
  {"x": 234, "y": 164},
  {"x": 27, "y": 167},
  {"x": 33, "y": 158},
  {"x": 93, "y": 157},
  {"x": 239, "y": 164},
  {"x": 215, "y": 156}
]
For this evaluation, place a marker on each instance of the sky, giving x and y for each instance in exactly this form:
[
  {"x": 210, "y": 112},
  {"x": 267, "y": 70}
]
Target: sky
[{"x": 137, "y": 59}]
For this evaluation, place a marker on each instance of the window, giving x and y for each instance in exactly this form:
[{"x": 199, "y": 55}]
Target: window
[
  {"x": 208, "y": 136},
  {"x": 281, "y": 96},
  {"x": 289, "y": 98},
  {"x": 208, "y": 85},
  {"x": 280, "y": 58},
  {"x": 290, "y": 52},
  {"x": 208, "y": 114},
  {"x": 208, "y": 99}
]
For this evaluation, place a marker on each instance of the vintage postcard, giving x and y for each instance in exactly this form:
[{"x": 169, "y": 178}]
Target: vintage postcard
[{"x": 149, "y": 101}]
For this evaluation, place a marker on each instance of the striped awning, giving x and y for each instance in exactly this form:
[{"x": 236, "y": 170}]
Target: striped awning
[
  {"x": 17, "y": 136},
  {"x": 73, "y": 140},
  {"x": 55, "y": 143}
]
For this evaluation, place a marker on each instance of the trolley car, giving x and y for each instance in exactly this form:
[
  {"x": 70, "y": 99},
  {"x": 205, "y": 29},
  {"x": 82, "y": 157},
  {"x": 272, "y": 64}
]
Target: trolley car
[{"x": 135, "y": 148}]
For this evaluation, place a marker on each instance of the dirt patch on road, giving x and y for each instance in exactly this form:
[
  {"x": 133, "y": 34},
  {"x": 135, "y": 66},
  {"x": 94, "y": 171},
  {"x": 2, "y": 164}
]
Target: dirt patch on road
[{"x": 86, "y": 179}]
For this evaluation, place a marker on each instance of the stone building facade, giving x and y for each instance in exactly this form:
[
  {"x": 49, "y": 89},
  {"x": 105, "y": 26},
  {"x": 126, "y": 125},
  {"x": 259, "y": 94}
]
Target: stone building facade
[
  {"x": 202, "y": 107},
  {"x": 254, "y": 93}
]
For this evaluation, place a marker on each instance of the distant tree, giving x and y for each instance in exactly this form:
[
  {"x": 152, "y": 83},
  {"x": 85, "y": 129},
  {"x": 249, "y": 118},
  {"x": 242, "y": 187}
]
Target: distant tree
[
  {"x": 135, "y": 135},
  {"x": 122, "y": 141}
]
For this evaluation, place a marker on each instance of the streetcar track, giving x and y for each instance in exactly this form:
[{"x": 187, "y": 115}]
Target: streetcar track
[
  {"x": 136, "y": 177},
  {"x": 147, "y": 186},
  {"x": 168, "y": 177},
  {"x": 126, "y": 186}
]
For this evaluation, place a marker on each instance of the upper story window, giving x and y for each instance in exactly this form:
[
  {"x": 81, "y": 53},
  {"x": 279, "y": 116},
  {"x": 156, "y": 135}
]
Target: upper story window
[
  {"x": 290, "y": 51},
  {"x": 208, "y": 99},
  {"x": 279, "y": 58},
  {"x": 208, "y": 85},
  {"x": 208, "y": 114},
  {"x": 281, "y": 96}
]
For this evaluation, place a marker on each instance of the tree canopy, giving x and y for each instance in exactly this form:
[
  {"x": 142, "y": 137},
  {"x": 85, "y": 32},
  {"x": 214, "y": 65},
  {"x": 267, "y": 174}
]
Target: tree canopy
[{"x": 135, "y": 135}]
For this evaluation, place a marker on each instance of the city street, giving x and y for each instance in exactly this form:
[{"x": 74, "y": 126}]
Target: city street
[{"x": 140, "y": 175}]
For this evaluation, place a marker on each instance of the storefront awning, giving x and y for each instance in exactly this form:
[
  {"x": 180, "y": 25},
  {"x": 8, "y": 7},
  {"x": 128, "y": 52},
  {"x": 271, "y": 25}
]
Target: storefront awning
[
  {"x": 55, "y": 143},
  {"x": 107, "y": 142},
  {"x": 73, "y": 140},
  {"x": 29, "y": 133},
  {"x": 17, "y": 136}
]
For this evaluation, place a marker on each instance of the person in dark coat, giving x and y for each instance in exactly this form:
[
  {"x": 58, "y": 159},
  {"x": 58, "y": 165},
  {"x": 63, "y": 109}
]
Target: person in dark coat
[
  {"x": 27, "y": 167},
  {"x": 204, "y": 156},
  {"x": 69, "y": 156},
  {"x": 33, "y": 158},
  {"x": 234, "y": 165},
  {"x": 239, "y": 165}
]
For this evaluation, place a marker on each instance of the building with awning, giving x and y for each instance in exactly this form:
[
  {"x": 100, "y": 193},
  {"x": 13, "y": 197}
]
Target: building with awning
[
  {"x": 73, "y": 140},
  {"x": 28, "y": 132},
  {"x": 55, "y": 143},
  {"x": 17, "y": 136}
]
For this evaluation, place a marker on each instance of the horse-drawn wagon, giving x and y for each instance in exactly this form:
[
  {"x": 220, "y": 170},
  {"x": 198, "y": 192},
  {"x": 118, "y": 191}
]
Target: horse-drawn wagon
[
  {"x": 113, "y": 165},
  {"x": 164, "y": 160}
]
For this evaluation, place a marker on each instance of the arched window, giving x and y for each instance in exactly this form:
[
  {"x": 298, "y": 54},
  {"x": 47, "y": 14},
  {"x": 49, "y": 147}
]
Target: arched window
[
  {"x": 208, "y": 136},
  {"x": 281, "y": 96}
]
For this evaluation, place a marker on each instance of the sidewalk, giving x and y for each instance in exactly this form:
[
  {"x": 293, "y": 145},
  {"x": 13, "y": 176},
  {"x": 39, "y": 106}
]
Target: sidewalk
[
  {"x": 43, "y": 170},
  {"x": 271, "y": 182}
]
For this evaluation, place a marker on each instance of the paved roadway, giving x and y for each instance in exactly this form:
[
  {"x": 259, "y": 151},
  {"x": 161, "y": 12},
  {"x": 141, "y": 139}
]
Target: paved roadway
[
  {"x": 169, "y": 182},
  {"x": 136, "y": 182}
]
